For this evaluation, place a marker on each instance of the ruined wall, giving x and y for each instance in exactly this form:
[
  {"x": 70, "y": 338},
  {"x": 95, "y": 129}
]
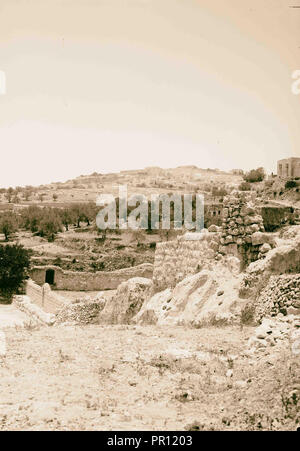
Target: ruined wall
[
  {"x": 243, "y": 229},
  {"x": 175, "y": 260},
  {"x": 44, "y": 297},
  {"x": 85, "y": 281}
]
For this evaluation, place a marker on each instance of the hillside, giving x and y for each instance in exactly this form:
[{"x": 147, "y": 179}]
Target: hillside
[{"x": 86, "y": 188}]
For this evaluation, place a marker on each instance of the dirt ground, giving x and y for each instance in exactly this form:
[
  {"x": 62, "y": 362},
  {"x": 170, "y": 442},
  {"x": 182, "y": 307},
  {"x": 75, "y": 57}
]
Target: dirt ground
[{"x": 142, "y": 378}]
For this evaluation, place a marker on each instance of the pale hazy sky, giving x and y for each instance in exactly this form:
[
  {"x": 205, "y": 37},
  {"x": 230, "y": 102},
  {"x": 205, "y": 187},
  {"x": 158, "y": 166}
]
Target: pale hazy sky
[{"x": 106, "y": 85}]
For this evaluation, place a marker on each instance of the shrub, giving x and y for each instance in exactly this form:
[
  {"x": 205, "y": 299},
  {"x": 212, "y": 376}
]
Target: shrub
[
  {"x": 255, "y": 175},
  {"x": 247, "y": 314},
  {"x": 245, "y": 186},
  {"x": 290, "y": 184}
]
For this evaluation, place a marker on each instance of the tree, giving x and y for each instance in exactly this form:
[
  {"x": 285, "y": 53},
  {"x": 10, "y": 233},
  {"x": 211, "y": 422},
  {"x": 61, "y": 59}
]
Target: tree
[
  {"x": 8, "y": 225},
  {"x": 31, "y": 218},
  {"x": 55, "y": 197},
  {"x": 9, "y": 194},
  {"x": 89, "y": 212},
  {"x": 78, "y": 214},
  {"x": 49, "y": 225},
  {"x": 14, "y": 264},
  {"x": 67, "y": 217},
  {"x": 255, "y": 175}
]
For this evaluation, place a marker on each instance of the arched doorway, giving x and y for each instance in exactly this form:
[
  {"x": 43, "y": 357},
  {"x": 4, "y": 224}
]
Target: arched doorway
[{"x": 49, "y": 277}]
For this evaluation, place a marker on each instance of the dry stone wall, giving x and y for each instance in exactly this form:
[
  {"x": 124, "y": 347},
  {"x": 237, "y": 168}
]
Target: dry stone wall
[
  {"x": 85, "y": 281},
  {"x": 242, "y": 229},
  {"x": 44, "y": 297},
  {"x": 175, "y": 260}
]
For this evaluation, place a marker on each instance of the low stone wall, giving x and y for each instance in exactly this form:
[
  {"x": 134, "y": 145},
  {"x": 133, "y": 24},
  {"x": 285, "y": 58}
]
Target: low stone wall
[
  {"x": 35, "y": 312},
  {"x": 44, "y": 297},
  {"x": 85, "y": 281},
  {"x": 175, "y": 260}
]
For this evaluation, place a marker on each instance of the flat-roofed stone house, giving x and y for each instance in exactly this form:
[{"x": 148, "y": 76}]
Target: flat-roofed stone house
[{"x": 288, "y": 167}]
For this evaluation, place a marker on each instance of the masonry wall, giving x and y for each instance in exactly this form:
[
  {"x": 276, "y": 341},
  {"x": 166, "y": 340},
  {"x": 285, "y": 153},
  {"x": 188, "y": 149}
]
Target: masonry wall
[
  {"x": 44, "y": 297},
  {"x": 175, "y": 260},
  {"x": 84, "y": 281}
]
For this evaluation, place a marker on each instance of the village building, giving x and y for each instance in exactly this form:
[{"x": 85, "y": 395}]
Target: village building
[{"x": 288, "y": 167}]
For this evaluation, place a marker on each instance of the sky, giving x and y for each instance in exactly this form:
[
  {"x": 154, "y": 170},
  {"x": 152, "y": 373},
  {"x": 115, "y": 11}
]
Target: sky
[{"x": 109, "y": 85}]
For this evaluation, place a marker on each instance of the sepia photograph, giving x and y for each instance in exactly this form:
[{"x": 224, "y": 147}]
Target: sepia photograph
[{"x": 149, "y": 218}]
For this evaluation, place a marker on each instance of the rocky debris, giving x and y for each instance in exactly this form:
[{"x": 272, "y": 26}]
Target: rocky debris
[
  {"x": 126, "y": 302},
  {"x": 214, "y": 228},
  {"x": 81, "y": 312},
  {"x": 291, "y": 232},
  {"x": 210, "y": 296},
  {"x": 34, "y": 311},
  {"x": 281, "y": 260},
  {"x": 281, "y": 293},
  {"x": 282, "y": 330}
]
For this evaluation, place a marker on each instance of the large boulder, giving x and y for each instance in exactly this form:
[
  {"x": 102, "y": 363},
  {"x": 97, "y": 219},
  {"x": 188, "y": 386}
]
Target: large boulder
[
  {"x": 151, "y": 309},
  {"x": 196, "y": 299},
  {"x": 263, "y": 238},
  {"x": 126, "y": 302}
]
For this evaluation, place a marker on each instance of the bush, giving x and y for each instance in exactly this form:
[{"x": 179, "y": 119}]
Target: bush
[
  {"x": 14, "y": 263},
  {"x": 245, "y": 186},
  {"x": 290, "y": 184},
  {"x": 255, "y": 175}
]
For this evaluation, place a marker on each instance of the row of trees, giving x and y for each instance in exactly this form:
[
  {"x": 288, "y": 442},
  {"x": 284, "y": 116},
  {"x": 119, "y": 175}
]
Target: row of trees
[{"x": 46, "y": 221}]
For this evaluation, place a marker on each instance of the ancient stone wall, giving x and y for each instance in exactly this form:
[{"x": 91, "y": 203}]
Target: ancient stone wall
[
  {"x": 85, "y": 281},
  {"x": 44, "y": 297},
  {"x": 175, "y": 260},
  {"x": 242, "y": 229}
]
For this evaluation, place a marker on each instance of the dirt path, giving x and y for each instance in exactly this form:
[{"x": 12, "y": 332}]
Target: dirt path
[
  {"x": 10, "y": 316},
  {"x": 134, "y": 378}
]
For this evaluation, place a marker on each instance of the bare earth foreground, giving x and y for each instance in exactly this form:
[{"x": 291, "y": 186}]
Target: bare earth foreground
[{"x": 142, "y": 378}]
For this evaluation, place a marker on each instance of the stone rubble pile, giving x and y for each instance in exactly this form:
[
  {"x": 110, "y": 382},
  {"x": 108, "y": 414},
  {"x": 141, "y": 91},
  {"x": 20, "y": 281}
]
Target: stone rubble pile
[
  {"x": 281, "y": 295},
  {"x": 81, "y": 312},
  {"x": 281, "y": 330}
]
